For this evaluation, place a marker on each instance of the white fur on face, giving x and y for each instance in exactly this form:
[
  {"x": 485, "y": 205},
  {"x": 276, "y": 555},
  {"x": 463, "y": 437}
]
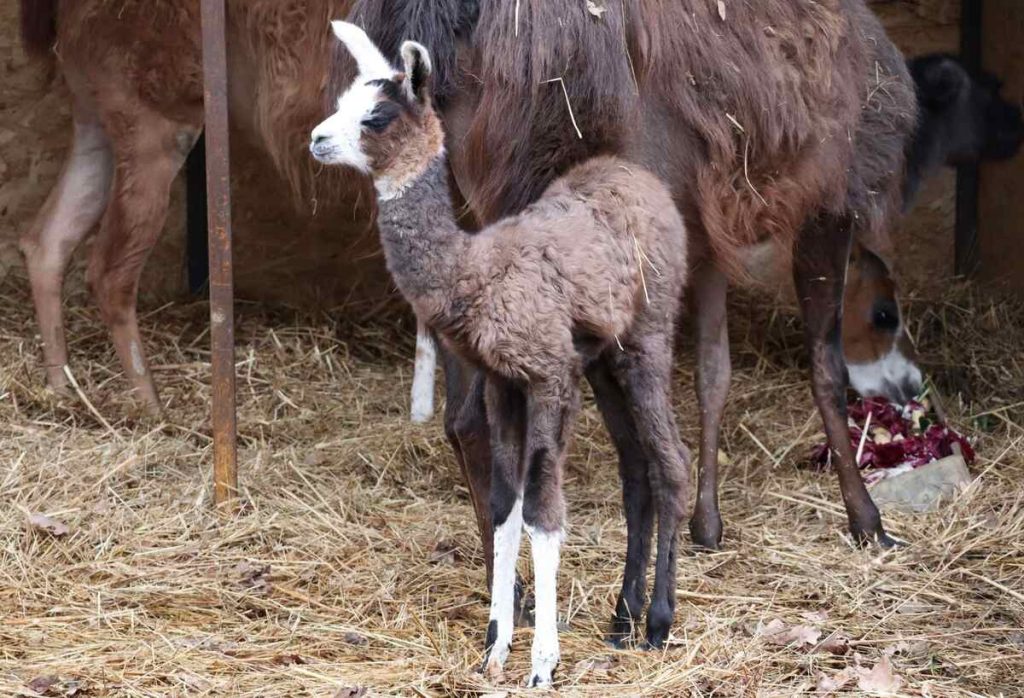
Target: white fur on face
[
  {"x": 338, "y": 139},
  {"x": 892, "y": 377},
  {"x": 545, "y": 547},
  {"x": 503, "y": 590}
]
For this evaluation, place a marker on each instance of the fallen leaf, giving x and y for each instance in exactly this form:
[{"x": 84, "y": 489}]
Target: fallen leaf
[
  {"x": 445, "y": 552},
  {"x": 351, "y": 692},
  {"x": 721, "y": 9},
  {"x": 287, "y": 660},
  {"x": 815, "y": 616},
  {"x": 836, "y": 682},
  {"x": 778, "y": 633},
  {"x": 42, "y": 684},
  {"x": 880, "y": 679},
  {"x": 835, "y": 643},
  {"x": 254, "y": 577},
  {"x": 595, "y": 9},
  {"x": 51, "y": 685},
  {"x": 595, "y": 665},
  {"x": 45, "y": 523}
]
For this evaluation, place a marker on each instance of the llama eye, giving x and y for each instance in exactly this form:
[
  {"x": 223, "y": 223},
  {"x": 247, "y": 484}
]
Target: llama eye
[{"x": 381, "y": 117}]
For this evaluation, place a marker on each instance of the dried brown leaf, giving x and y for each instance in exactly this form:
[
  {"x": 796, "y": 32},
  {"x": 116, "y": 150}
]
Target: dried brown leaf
[
  {"x": 48, "y": 525},
  {"x": 880, "y": 679},
  {"x": 778, "y": 633},
  {"x": 351, "y": 692}
]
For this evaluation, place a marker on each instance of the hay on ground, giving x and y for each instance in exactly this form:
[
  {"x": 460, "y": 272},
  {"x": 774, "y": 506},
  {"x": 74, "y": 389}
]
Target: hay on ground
[{"x": 356, "y": 562}]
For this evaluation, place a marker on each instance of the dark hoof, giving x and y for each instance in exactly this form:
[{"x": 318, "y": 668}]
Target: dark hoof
[
  {"x": 877, "y": 537},
  {"x": 659, "y": 623},
  {"x": 706, "y": 533},
  {"x": 619, "y": 640}
]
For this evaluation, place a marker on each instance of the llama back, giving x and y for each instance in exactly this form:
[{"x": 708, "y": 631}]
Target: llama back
[{"x": 633, "y": 257}]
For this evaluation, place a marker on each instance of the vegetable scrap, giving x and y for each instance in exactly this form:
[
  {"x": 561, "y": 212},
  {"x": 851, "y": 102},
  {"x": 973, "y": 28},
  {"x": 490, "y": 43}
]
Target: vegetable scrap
[{"x": 898, "y": 439}]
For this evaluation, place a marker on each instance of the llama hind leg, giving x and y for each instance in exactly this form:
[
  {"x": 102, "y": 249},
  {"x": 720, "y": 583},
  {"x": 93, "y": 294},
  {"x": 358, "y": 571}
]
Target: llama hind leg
[
  {"x": 713, "y": 375},
  {"x": 506, "y": 409},
  {"x": 149, "y": 151},
  {"x": 550, "y": 418},
  {"x": 645, "y": 372},
  {"x": 71, "y": 210},
  {"x": 636, "y": 498}
]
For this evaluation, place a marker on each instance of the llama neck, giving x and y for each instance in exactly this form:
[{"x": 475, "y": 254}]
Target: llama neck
[{"x": 422, "y": 241}]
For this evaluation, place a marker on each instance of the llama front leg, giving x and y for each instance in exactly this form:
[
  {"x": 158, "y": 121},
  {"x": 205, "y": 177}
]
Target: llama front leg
[
  {"x": 550, "y": 417},
  {"x": 506, "y": 410}
]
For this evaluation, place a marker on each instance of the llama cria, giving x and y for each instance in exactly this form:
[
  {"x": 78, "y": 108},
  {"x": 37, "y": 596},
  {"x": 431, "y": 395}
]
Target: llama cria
[{"x": 587, "y": 279}]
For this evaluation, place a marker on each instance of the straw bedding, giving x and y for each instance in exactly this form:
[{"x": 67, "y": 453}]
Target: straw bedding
[{"x": 355, "y": 568}]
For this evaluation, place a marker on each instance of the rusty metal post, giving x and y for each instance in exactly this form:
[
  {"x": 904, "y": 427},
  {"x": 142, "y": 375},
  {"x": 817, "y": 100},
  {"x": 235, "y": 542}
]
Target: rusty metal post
[{"x": 222, "y": 317}]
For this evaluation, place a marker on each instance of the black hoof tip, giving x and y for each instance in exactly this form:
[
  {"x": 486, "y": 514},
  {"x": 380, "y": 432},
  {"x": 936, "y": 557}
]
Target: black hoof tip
[{"x": 880, "y": 539}]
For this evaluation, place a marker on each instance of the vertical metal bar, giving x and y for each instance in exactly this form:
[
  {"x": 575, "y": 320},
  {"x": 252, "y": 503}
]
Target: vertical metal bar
[
  {"x": 197, "y": 245},
  {"x": 967, "y": 252},
  {"x": 222, "y": 320}
]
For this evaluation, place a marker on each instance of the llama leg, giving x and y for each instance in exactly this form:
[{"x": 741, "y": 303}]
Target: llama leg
[
  {"x": 465, "y": 425},
  {"x": 149, "y": 150},
  {"x": 820, "y": 259},
  {"x": 423, "y": 375},
  {"x": 507, "y": 410},
  {"x": 550, "y": 417},
  {"x": 645, "y": 372},
  {"x": 713, "y": 375},
  {"x": 71, "y": 210},
  {"x": 819, "y": 270},
  {"x": 636, "y": 498}
]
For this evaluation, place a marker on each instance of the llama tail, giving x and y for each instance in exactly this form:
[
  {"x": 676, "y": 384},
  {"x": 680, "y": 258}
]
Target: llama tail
[
  {"x": 39, "y": 26},
  {"x": 423, "y": 375}
]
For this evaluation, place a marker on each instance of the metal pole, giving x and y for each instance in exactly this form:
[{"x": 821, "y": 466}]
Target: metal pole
[
  {"x": 967, "y": 255},
  {"x": 222, "y": 320}
]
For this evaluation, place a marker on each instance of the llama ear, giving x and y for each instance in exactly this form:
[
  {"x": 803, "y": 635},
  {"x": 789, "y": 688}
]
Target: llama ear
[
  {"x": 371, "y": 62},
  {"x": 944, "y": 82},
  {"x": 416, "y": 60}
]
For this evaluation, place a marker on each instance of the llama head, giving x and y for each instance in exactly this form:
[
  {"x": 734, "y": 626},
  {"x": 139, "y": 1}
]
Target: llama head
[{"x": 385, "y": 124}]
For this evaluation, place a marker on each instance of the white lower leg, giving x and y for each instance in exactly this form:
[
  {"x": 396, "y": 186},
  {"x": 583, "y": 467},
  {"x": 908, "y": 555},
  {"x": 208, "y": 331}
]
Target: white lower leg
[
  {"x": 503, "y": 591},
  {"x": 423, "y": 375},
  {"x": 545, "y": 547}
]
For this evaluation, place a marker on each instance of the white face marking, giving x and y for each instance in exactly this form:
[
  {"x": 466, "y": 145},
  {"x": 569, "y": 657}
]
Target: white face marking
[
  {"x": 888, "y": 377},
  {"x": 423, "y": 376},
  {"x": 338, "y": 139},
  {"x": 503, "y": 591},
  {"x": 545, "y": 547}
]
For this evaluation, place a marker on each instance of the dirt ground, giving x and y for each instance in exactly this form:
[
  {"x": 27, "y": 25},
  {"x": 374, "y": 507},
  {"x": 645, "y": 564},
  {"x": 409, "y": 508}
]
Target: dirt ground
[{"x": 356, "y": 563}]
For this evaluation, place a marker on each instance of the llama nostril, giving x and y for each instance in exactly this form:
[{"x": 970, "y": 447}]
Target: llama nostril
[{"x": 318, "y": 139}]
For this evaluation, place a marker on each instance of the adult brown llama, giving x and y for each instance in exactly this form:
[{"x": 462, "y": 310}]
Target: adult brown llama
[
  {"x": 784, "y": 121},
  {"x": 788, "y": 119},
  {"x": 590, "y": 274},
  {"x": 133, "y": 69}
]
